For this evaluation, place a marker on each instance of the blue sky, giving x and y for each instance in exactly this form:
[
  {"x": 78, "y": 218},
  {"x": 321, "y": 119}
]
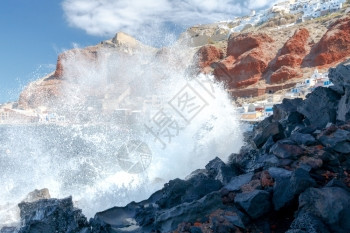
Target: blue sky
[{"x": 34, "y": 32}]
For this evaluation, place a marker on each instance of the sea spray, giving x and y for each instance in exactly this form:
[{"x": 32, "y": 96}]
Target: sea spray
[{"x": 80, "y": 158}]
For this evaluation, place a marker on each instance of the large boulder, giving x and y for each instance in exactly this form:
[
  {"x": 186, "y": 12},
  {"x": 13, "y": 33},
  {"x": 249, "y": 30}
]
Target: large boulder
[
  {"x": 284, "y": 149},
  {"x": 255, "y": 203},
  {"x": 343, "y": 113},
  {"x": 287, "y": 189},
  {"x": 339, "y": 141},
  {"x": 238, "y": 181},
  {"x": 303, "y": 139},
  {"x": 179, "y": 191},
  {"x": 320, "y": 107},
  {"x": 169, "y": 219},
  {"x": 307, "y": 223},
  {"x": 274, "y": 130},
  {"x": 218, "y": 170},
  {"x": 286, "y": 109},
  {"x": 51, "y": 215},
  {"x": 330, "y": 204},
  {"x": 340, "y": 77}
]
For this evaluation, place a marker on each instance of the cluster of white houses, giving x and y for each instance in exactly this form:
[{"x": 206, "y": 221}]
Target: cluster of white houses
[
  {"x": 259, "y": 110},
  {"x": 315, "y": 8},
  {"x": 10, "y": 114},
  {"x": 308, "y": 8}
]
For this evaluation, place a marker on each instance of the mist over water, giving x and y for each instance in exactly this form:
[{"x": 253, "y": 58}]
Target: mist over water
[{"x": 109, "y": 101}]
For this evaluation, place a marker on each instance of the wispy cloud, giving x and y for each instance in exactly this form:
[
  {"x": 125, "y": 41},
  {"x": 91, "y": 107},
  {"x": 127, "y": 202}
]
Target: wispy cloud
[{"x": 142, "y": 18}]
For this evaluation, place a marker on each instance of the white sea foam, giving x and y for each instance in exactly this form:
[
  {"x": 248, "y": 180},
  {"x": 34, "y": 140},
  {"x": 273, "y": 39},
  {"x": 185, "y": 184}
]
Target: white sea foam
[{"x": 81, "y": 159}]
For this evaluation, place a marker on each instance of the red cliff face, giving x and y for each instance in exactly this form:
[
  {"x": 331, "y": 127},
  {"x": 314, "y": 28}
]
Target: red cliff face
[
  {"x": 46, "y": 91},
  {"x": 40, "y": 93},
  {"x": 248, "y": 57},
  {"x": 89, "y": 53},
  {"x": 333, "y": 46},
  {"x": 296, "y": 45},
  {"x": 207, "y": 55},
  {"x": 287, "y": 63}
]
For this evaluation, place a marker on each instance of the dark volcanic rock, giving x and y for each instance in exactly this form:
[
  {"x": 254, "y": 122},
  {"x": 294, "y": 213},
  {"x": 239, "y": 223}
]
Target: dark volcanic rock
[
  {"x": 303, "y": 139},
  {"x": 330, "y": 204},
  {"x": 338, "y": 141},
  {"x": 274, "y": 130},
  {"x": 255, "y": 203},
  {"x": 218, "y": 170},
  {"x": 236, "y": 182},
  {"x": 343, "y": 113},
  {"x": 286, "y": 151},
  {"x": 287, "y": 189},
  {"x": 168, "y": 220},
  {"x": 340, "y": 77},
  {"x": 320, "y": 107},
  {"x": 286, "y": 108},
  {"x": 308, "y": 223},
  {"x": 179, "y": 191},
  {"x": 52, "y": 215}
]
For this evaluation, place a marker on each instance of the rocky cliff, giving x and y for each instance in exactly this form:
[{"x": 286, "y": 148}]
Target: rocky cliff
[
  {"x": 48, "y": 90},
  {"x": 260, "y": 57},
  {"x": 264, "y": 57},
  {"x": 293, "y": 175}
]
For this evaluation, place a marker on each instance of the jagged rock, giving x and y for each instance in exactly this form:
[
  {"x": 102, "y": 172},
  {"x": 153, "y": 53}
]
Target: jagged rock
[
  {"x": 236, "y": 182},
  {"x": 37, "y": 195},
  {"x": 287, "y": 189},
  {"x": 337, "y": 183},
  {"x": 303, "y": 139},
  {"x": 330, "y": 204},
  {"x": 338, "y": 141},
  {"x": 52, "y": 215},
  {"x": 320, "y": 107},
  {"x": 340, "y": 77},
  {"x": 286, "y": 108},
  {"x": 9, "y": 230},
  {"x": 285, "y": 150},
  {"x": 343, "y": 113},
  {"x": 226, "y": 221},
  {"x": 308, "y": 223},
  {"x": 169, "y": 219},
  {"x": 218, "y": 170},
  {"x": 279, "y": 173},
  {"x": 273, "y": 130},
  {"x": 119, "y": 218},
  {"x": 268, "y": 144},
  {"x": 312, "y": 162},
  {"x": 179, "y": 191},
  {"x": 255, "y": 203}
]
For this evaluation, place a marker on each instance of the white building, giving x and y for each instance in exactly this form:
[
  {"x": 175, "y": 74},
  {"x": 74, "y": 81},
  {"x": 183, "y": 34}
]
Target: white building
[{"x": 315, "y": 8}]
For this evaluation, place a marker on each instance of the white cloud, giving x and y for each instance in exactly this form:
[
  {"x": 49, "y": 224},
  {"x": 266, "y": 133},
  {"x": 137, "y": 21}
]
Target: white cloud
[{"x": 142, "y": 18}]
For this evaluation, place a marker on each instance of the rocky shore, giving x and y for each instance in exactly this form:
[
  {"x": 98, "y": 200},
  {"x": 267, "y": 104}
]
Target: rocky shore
[{"x": 293, "y": 175}]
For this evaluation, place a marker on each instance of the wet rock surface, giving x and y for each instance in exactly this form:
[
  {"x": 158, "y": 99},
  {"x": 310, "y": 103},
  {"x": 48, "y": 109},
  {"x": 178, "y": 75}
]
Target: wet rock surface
[{"x": 292, "y": 175}]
